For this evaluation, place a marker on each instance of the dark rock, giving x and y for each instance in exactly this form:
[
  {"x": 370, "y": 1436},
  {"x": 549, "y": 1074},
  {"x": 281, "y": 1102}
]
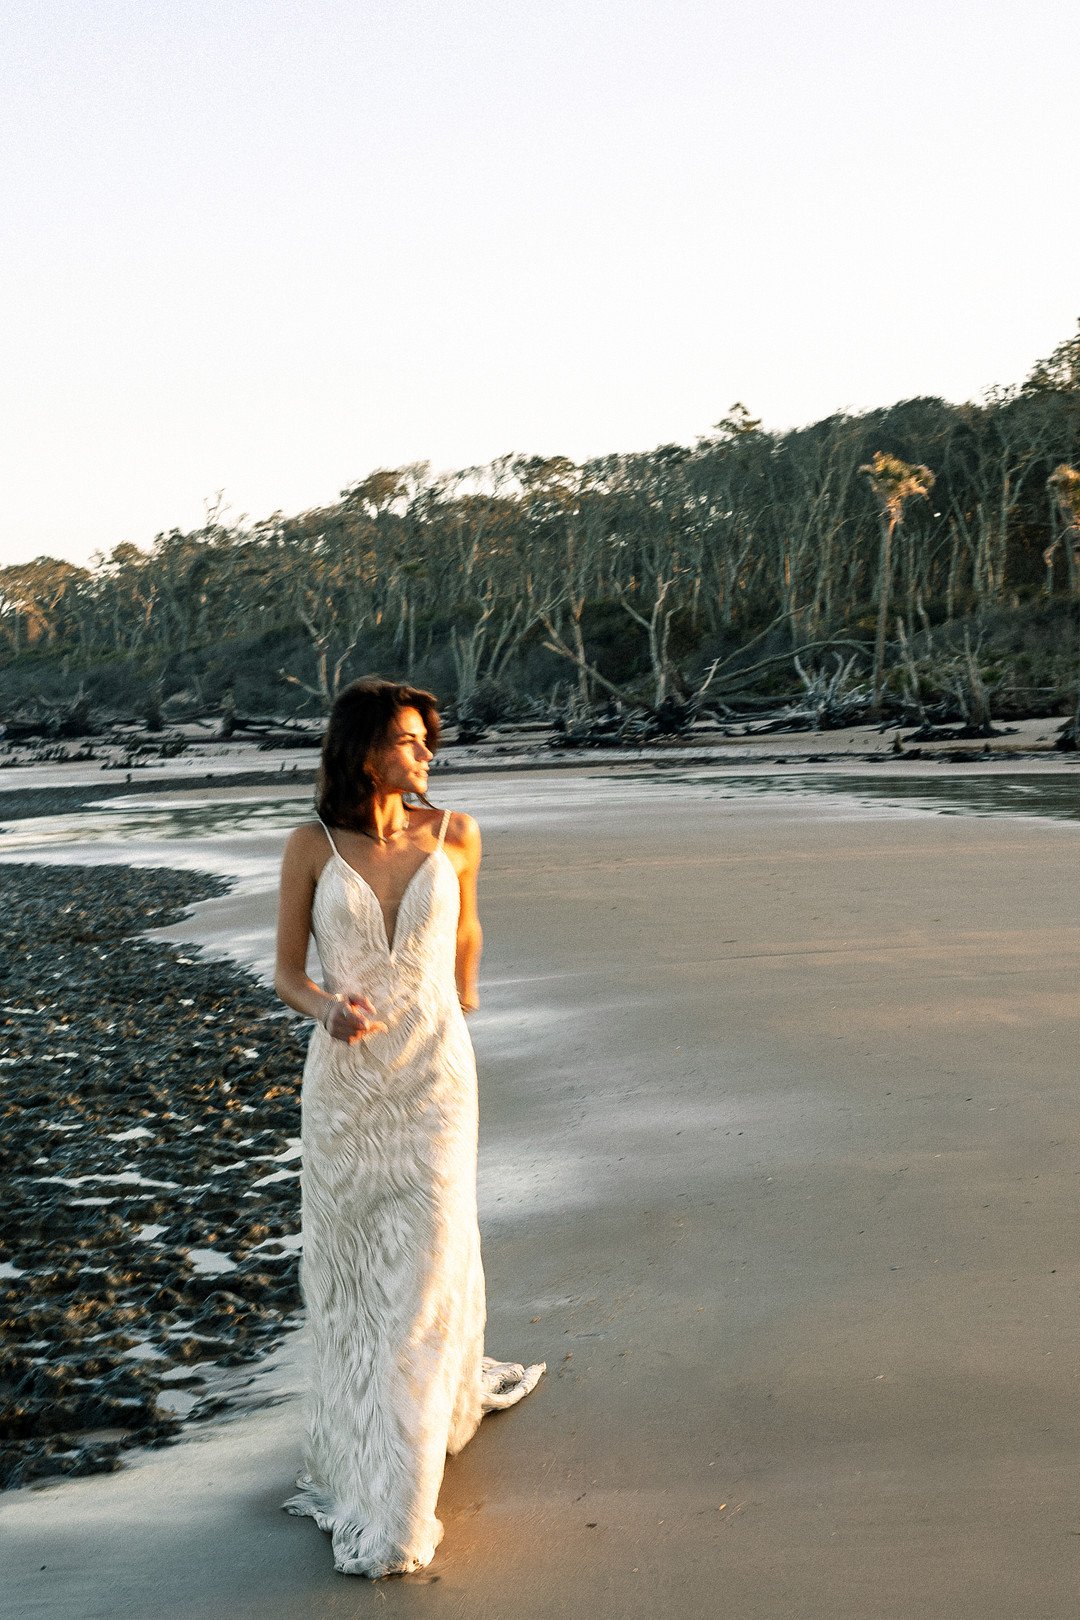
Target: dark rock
[{"x": 156, "y": 1029}]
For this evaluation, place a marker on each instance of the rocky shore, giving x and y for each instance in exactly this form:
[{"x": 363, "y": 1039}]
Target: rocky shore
[{"x": 150, "y": 1164}]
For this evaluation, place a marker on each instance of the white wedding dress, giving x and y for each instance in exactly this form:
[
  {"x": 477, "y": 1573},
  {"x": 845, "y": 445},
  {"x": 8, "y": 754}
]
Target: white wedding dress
[{"x": 391, "y": 1270}]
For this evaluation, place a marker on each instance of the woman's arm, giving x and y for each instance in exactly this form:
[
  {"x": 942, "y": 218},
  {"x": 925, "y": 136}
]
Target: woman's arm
[
  {"x": 470, "y": 938},
  {"x": 346, "y": 1020}
]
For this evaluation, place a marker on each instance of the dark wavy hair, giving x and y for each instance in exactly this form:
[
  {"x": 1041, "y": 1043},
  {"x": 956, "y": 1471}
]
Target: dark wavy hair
[{"x": 360, "y": 720}]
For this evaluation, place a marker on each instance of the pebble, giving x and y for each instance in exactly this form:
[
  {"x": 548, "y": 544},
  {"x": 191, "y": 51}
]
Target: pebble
[{"x": 134, "y": 1070}]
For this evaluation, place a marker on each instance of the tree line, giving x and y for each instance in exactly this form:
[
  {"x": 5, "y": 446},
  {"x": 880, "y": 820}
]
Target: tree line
[{"x": 861, "y": 543}]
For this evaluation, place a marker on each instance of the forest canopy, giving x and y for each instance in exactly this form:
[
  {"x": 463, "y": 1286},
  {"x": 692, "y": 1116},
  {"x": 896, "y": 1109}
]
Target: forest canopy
[{"x": 880, "y": 541}]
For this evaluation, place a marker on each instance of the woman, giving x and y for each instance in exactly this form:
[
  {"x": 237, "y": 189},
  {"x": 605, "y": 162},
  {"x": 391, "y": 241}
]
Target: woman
[{"x": 391, "y": 1270}]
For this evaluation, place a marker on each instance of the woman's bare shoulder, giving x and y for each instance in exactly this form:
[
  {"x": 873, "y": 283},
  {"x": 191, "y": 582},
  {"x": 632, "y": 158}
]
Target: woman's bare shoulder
[
  {"x": 309, "y": 839},
  {"x": 463, "y": 831},
  {"x": 308, "y": 832},
  {"x": 460, "y": 823}
]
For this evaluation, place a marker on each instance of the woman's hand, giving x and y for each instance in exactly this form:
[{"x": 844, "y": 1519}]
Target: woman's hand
[{"x": 350, "y": 1018}]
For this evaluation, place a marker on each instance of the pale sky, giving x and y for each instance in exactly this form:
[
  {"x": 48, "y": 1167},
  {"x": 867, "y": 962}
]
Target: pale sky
[{"x": 265, "y": 247}]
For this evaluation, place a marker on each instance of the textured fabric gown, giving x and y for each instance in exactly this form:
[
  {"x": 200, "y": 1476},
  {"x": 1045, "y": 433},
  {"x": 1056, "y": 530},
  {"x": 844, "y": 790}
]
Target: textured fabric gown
[{"x": 391, "y": 1271}]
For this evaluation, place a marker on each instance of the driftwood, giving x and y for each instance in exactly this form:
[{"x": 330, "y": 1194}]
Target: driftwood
[
  {"x": 469, "y": 731},
  {"x": 42, "y": 717},
  {"x": 830, "y": 701},
  {"x": 1068, "y": 738},
  {"x": 269, "y": 733}
]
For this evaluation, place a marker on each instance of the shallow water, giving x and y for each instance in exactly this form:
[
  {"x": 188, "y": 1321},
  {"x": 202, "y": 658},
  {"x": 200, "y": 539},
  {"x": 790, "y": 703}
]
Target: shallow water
[
  {"x": 1051, "y": 796},
  {"x": 140, "y": 826}
]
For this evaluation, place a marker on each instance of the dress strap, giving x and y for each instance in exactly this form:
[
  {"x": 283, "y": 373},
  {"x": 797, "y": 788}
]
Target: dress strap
[
  {"x": 326, "y": 830},
  {"x": 442, "y": 829}
]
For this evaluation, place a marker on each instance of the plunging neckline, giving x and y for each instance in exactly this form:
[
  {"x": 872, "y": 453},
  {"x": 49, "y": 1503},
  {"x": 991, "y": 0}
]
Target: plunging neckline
[{"x": 390, "y": 946}]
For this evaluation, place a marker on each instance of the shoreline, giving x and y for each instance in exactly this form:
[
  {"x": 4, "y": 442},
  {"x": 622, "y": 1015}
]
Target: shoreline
[{"x": 32, "y": 789}]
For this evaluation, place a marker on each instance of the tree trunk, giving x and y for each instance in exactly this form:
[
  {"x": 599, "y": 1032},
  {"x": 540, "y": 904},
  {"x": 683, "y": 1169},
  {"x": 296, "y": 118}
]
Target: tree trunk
[{"x": 887, "y": 532}]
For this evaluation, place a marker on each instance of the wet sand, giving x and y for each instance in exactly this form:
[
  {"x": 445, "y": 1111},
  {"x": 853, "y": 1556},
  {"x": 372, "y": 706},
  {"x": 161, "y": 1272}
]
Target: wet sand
[{"x": 779, "y": 1145}]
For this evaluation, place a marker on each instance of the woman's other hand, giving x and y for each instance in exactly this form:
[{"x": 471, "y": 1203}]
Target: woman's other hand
[{"x": 350, "y": 1018}]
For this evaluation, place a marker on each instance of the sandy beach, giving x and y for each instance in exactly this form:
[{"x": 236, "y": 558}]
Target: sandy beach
[{"x": 779, "y": 1146}]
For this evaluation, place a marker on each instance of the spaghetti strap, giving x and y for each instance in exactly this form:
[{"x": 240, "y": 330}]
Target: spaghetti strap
[
  {"x": 326, "y": 830},
  {"x": 442, "y": 829}
]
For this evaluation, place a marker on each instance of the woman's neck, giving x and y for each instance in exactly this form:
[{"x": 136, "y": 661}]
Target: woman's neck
[{"x": 388, "y": 814}]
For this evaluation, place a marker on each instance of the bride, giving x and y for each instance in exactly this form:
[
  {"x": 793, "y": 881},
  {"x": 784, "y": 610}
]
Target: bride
[{"x": 391, "y": 1271}]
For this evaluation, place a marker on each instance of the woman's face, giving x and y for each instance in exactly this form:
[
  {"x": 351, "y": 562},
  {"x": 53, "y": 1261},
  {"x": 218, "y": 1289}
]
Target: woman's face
[{"x": 401, "y": 761}]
